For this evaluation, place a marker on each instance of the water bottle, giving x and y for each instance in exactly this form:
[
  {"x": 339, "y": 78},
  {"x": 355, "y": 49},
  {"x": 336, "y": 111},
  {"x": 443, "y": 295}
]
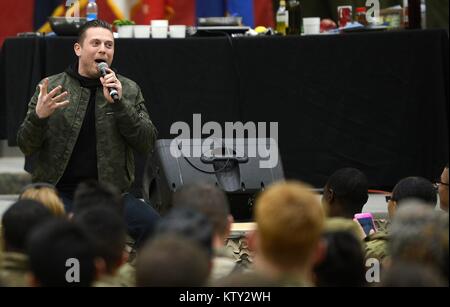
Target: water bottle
[{"x": 91, "y": 10}]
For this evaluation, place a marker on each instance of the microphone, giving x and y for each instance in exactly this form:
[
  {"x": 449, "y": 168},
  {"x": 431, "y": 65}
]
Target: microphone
[{"x": 102, "y": 66}]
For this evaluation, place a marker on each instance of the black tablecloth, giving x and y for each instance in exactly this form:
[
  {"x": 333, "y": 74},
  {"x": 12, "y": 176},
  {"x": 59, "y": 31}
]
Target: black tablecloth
[{"x": 375, "y": 101}]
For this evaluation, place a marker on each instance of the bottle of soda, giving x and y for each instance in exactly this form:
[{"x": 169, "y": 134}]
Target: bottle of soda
[
  {"x": 295, "y": 17},
  {"x": 91, "y": 10},
  {"x": 282, "y": 18}
]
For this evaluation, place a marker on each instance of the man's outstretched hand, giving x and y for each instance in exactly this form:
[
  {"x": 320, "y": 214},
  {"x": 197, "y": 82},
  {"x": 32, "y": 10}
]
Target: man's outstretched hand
[{"x": 48, "y": 102}]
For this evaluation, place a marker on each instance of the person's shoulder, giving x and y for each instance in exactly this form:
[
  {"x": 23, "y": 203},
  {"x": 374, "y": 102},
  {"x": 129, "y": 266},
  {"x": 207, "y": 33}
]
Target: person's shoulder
[
  {"x": 127, "y": 82},
  {"x": 56, "y": 78}
]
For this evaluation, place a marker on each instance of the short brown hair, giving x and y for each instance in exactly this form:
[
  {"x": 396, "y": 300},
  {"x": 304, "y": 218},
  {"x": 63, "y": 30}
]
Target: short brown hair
[
  {"x": 290, "y": 221},
  {"x": 97, "y": 23},
  {"x": 207, "y": 199}
]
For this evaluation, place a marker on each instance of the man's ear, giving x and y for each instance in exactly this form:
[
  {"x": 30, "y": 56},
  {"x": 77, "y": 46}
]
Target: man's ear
[
  {"x": 77, "y": 49},
  {"x": 100, "y": 268},
  {"x": 392, "y": 208},
  {"x": 330, "y": 196},
  {"x": 123, "y": 259},
  {"x": 320, "y": 252}
]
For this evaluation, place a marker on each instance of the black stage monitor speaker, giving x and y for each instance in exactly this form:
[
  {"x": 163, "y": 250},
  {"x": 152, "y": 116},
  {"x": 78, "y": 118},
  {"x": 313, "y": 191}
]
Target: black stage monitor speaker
[{"x": 240, "y": 167}]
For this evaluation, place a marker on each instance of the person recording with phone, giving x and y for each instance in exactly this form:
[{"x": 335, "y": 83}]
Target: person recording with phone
[{"x": 85, "y": 123}]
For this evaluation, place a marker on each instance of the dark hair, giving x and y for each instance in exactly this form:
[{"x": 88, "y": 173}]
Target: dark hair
[
  {"x": 207, "y": 199},
  {"x": 343, "y": 264},
  {"x": 415, "y": 188},
  {"x": 350, "y": 187},
  {"x": 189, "y": 224},
  {"x": 107, "y": 231},
  {"x": 20, "y": 220},
  {"x": 97, "y": 23},
  {"x": 91, "y": 194},
  {"x": 171, "y": 261},
  {"x": 52, "y": 246}
]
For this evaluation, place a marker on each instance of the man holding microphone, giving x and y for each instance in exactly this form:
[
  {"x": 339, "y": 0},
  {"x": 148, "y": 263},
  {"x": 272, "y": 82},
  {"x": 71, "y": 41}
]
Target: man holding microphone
[{"x": 79, "y": 132}]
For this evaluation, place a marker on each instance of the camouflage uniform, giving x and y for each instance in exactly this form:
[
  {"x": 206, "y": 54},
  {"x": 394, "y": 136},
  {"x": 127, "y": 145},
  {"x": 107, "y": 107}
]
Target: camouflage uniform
[
  {"x": 14, "y": 270},
  {"x": 238, "y": 247},
  {"x": 377, "y": 245},
  {"x": 257, "y": 279},
  {"x": 120, "y": 128},
  {"x": 127, "y": 275}
]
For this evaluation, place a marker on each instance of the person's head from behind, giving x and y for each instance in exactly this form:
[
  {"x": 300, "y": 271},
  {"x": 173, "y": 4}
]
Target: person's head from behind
[
  {"x": 345, "y": 193},
  {"x": 20, "y": 220},
  {"x": 290, "y": 221},
  {"x": 47, "y": 195},
  {"x": 171, "y": 260},
  {"x": 343, "y": 264},
  {"x": 189, "y": 224},
  {"x": 95, "y": 44},
  {"x": 61, "y": 255},
  {"x": 91, "y": 194},
  {"x": 443, "y": 189},
  {"x": 420, "y": 234},
  {"x": 212, "y": 202},
  {"x": 412, "y": 188},
  {"x": 107, "y": 231},
  {"x": 406, "y": 274}
]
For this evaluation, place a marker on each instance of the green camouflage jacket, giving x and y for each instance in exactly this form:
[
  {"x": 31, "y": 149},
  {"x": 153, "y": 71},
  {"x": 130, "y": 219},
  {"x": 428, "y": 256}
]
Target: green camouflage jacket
[
  {"x": 14, "y": 269},
  {"x": 377, "y": 245},
  {"x": 120, "y": 128}
]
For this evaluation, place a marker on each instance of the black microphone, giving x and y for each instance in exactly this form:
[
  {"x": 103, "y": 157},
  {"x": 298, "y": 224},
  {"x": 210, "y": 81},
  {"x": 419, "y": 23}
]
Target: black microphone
[{"x": 102, "y": 66}]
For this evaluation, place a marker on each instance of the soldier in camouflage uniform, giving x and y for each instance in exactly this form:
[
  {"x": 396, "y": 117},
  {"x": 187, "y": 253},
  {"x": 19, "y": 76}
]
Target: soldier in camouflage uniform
[
  {"x": 212, "y": 202},
  {"x": 18, "y": 222},
  {"x": 408, "y": 188},
  {"x": 107, "y": 231}
]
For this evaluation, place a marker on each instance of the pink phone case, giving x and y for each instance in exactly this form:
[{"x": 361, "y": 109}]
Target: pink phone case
[{"x": 361, "y": 216}]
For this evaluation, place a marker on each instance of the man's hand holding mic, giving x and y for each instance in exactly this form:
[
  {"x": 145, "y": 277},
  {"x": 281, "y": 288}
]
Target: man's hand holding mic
[
  {"x": 49, "y": 102},
  {"x": 112, "y": 88}
]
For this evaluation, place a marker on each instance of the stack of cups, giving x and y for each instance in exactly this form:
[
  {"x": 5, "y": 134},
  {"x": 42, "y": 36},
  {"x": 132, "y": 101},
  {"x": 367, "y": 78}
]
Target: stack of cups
[
  {"x": 160, "y": 28},
  {"x": 178, "y": 31},
  {"x": 141, "y": 31},
  {"x": 311, "y": 26}
]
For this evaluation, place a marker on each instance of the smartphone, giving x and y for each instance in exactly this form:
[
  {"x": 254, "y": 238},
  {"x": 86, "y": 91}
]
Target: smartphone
[{"x": 366, "y": 221}]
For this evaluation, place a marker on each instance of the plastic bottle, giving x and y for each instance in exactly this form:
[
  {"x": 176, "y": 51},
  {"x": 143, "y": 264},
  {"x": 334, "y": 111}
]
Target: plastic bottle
[
  {"x": 282, "y": 18},
  {"x": 91, "y": 10}
]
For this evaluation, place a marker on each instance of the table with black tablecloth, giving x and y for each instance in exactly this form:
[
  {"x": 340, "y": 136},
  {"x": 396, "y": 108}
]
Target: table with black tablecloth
[{"x": 374, "y": 101}]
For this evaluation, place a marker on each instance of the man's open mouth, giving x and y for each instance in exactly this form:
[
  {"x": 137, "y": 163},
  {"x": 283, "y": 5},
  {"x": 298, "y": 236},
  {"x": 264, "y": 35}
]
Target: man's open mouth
[{"x": 98, "y": 61}]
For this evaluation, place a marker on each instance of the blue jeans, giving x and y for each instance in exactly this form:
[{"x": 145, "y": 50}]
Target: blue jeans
[{"x": 140, "y": 217}]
